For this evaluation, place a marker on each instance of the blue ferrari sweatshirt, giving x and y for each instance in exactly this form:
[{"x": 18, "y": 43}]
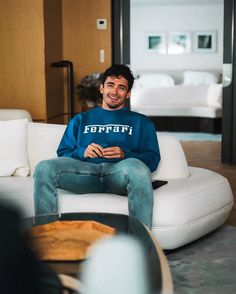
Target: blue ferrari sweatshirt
[{"x": 133, "y": 132}]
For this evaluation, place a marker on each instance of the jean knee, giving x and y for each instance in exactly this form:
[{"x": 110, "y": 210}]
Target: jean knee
[
  {"x": 136, "y": 166},
  {"x": 43, "y": 168}
]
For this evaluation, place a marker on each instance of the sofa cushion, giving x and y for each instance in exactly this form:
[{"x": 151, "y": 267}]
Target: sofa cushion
[
  {"x": 13, "y": 151},
  {"x": 18, "y": 192},
  {"x": 43, "y": 140},
  {"x": 173, "y": 164}
]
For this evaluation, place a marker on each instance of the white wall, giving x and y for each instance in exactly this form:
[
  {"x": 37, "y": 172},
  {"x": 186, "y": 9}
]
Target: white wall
[{"x": 145, "y": 19}]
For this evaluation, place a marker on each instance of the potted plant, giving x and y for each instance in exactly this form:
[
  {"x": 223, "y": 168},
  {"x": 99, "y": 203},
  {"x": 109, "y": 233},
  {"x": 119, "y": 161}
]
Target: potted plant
[{"x": 88, "y": 90}]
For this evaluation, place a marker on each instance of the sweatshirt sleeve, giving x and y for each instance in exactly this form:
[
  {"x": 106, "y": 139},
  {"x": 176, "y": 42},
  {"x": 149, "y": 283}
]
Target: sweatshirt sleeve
[
  {"x": 68, "y": 146},
  {"x": 148, "y": 151}
]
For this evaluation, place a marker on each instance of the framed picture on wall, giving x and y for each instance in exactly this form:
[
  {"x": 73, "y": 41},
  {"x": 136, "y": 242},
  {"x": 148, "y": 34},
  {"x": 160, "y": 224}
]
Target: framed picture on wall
[
  {"x": 205, "y": 42},
  {"x": 156, "y": 42},
  {"x": 179, "y": 42}
]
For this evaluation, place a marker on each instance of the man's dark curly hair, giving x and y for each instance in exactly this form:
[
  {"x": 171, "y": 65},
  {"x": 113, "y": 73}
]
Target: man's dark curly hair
[{"x": 118, "y": 70}]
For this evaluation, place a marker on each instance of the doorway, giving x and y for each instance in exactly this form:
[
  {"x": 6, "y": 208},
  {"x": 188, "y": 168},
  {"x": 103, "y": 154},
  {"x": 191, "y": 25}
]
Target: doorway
[{"x": 179, "y": 43}]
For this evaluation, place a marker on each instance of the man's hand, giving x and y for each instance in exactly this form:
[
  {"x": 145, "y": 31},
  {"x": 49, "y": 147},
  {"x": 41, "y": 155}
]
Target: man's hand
[
  {"x": 113, "y": 152},
  {"x": 93, "y": 151}
]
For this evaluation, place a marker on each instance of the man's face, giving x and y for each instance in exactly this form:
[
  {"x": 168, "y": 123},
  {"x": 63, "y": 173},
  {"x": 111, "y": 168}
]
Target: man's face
[{"x": 115, "y": 92}]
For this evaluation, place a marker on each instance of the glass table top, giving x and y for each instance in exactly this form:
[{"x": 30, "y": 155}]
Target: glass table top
[{"x": 124, "y": 225}]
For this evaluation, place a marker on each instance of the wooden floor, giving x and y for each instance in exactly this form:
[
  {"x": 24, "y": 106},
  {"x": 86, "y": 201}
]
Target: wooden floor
[{"x": 207, "y": 155}]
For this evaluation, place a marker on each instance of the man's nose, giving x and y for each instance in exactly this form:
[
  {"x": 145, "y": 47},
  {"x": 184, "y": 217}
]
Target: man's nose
[{"x": 115, "y": 90}]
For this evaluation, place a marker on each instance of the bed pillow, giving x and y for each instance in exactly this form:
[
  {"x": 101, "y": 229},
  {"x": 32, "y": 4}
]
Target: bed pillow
[
  {"x": 154, "y": 81},
  {"x": 13, "y": 150},
  {"x": 199, "y": 78}
]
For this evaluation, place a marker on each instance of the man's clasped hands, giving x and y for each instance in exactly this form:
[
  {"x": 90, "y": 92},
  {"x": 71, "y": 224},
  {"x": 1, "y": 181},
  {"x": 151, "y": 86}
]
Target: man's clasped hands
[{"x": 95, "y": 150}]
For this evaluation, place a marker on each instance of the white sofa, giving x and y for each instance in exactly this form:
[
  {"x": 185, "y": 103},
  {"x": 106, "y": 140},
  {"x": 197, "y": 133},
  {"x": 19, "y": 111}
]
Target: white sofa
[{"x": 193, "y": 203}]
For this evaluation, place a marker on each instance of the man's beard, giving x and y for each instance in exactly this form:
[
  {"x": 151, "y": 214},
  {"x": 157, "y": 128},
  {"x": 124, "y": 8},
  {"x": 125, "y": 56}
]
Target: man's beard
[{"x": 115, "y": 106}]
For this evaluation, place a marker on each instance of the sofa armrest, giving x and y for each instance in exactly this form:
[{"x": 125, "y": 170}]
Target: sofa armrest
[{"x": 173, "y": 164}]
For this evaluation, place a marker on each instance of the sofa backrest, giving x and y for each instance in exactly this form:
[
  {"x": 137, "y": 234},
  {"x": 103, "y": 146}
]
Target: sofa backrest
[
  {"x": 43, "y": 140},
  {"x": 173, "y": 164},
  {"x": 10, "y": 114}
]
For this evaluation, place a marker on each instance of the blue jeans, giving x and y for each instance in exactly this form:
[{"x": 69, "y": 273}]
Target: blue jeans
[{"x": 127, "y": 177}]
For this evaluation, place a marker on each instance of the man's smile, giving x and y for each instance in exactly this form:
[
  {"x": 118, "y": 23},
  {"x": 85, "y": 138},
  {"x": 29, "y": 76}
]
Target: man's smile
[{"x": 114, "y": 98}]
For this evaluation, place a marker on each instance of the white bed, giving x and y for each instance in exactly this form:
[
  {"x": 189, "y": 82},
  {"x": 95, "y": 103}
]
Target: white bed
[{"x": 199, "y": 96}]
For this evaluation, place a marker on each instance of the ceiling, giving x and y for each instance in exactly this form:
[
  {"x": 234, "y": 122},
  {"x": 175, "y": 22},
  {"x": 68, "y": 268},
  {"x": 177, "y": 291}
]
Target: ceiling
[{"x": 175, "y": 2}]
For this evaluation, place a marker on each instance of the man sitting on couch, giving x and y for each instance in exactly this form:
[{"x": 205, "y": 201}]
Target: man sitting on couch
[{"x": 108, "y": 149}]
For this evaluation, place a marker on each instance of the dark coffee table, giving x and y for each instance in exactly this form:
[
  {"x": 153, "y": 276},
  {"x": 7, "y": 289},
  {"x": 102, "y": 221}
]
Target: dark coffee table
[{"x": 158, "y": 270}]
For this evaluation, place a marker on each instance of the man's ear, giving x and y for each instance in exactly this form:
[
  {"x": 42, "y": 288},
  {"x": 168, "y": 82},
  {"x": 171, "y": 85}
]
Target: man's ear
[
  {"x": 101, "y": 88},
  {"x": 128, "y": 94}
]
